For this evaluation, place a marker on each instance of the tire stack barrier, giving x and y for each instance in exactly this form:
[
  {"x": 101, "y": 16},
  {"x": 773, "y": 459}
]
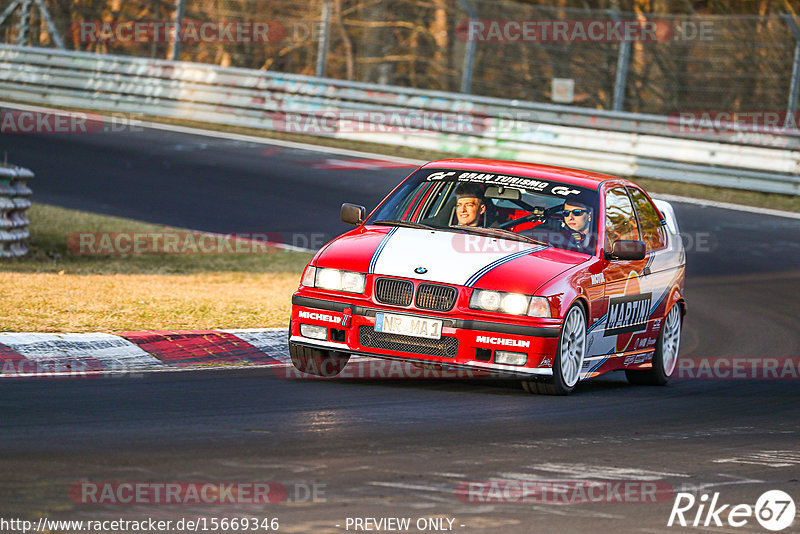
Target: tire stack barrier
[{"x": 14, "y": 202}]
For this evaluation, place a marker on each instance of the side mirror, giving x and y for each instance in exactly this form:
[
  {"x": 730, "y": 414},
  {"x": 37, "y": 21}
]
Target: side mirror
[
  {"x": 353, "y": 214},
  {"x": 625, "y": 249}
]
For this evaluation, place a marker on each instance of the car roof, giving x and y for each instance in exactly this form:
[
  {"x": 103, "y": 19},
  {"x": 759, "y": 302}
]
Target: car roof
[{"x": 577, "y": 177}]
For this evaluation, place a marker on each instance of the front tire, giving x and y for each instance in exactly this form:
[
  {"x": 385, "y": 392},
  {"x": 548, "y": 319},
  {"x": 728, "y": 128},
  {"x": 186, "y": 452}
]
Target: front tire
[
  {"x": 666, "y": 353},
  {"x": 569, "y": 357},
  {"x": 327, "y": 363}
]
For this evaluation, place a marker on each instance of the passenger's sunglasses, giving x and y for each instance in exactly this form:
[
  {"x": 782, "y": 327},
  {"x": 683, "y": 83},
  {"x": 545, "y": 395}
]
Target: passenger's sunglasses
[{"x": 576, "y": 212}]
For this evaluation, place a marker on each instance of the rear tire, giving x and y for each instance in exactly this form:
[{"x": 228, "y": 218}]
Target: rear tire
[
  {"x": 327, "y": 363},
  {"x": 569, "y": 357},
  {"x": 666, "y": 353}
]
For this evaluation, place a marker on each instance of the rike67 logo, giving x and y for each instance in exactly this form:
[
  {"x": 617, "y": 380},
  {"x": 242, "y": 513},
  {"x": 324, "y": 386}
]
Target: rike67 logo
[{"x": 774, "y": 510}]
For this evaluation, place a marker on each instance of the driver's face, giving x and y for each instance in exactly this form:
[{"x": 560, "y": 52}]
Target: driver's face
[
  {"x": 468, "y": 209},
  {"x": 578, "y": 223}
]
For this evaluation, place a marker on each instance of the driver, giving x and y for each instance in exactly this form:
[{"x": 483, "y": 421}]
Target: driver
[
  {"x": 470, "y": 204},
  {"x": 578, "y": 220}
]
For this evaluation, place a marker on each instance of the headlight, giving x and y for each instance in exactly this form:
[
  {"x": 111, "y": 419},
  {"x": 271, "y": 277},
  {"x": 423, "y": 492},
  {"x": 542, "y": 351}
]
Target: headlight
[
  {"x": 511, "y": 303},
  {"x": 353, "y": 282},
  {"x": 486, "y": 300},
  {"x": 514, "y": 303},
  {"x": 329, "y": 279},
  {"x": 336, "y": 280}
]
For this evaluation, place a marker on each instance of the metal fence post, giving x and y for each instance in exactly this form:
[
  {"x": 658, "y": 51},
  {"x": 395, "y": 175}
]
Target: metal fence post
[
  {"x": 324, "y": 36},
  {"x": 24, "y": 22},
  {"x": 621, "y": 77},
  {"x": 9, "y": 10},
  {"x": 45, "y": 14},
  {"x": 794, "y": 87},
  {"x": 175, "y": 42},
  {"x": 469, "y": 53}
]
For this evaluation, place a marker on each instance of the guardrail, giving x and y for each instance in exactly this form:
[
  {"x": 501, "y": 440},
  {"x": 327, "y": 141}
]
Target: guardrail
[
  {"x": 618, "y": 143},
  {"x": 14, "y": 201}
]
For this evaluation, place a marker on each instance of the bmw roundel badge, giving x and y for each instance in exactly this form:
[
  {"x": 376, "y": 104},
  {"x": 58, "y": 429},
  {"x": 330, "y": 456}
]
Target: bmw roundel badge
[{"x": 420, "y": 270}]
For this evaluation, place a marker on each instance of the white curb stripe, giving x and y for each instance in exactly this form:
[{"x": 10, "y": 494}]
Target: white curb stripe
[
  {"x": 272, "y": 342},
  {"x": 64, "y": 351}
]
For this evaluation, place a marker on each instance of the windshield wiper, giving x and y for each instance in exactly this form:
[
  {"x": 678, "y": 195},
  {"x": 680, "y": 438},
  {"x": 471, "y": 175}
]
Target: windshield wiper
[
  {"x": 404, "y": 224},
  {"x": 499, "y": 232}
]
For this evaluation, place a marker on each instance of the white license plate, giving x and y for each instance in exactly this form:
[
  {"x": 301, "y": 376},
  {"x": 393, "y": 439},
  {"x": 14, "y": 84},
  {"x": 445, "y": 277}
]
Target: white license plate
[{"x": 406, "y": 325}]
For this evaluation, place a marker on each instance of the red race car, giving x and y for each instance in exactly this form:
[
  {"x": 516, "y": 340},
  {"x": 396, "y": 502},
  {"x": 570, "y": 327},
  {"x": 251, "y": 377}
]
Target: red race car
[{"x": 550, "y": 274}]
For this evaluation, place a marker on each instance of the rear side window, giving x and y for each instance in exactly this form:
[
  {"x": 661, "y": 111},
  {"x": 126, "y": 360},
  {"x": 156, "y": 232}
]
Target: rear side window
[
  {"x": 620, "y": 219},
  {"x": 649, "y": 221}
]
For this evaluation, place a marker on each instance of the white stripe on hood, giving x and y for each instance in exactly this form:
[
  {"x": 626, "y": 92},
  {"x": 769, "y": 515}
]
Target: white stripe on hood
[{"x": 449, "y": 257}]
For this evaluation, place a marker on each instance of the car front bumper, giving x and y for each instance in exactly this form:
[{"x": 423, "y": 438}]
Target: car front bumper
[{"x": 465, "y": 343}]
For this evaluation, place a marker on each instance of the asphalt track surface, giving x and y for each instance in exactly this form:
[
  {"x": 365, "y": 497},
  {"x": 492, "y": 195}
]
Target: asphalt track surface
[{"x": 390, "y": 447}]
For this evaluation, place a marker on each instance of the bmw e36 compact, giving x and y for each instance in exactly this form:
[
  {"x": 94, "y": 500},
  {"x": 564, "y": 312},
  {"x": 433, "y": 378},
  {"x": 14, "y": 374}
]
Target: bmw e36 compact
[{"x": 549, "y": 274}]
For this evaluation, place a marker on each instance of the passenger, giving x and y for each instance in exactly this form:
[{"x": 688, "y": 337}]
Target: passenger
[
  {"x": 578, "y": 221},
  {"x": 470, "y": 204}
]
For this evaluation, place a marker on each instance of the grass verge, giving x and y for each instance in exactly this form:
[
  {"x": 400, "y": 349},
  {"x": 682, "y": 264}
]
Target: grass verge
[{"x": 54, "y": 290}]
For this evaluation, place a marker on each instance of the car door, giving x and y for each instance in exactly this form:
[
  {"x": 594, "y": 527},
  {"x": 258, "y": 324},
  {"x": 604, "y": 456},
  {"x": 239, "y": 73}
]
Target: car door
[
  {"x": 662, "y": 267},
  {"x": 626, "y": 289}
]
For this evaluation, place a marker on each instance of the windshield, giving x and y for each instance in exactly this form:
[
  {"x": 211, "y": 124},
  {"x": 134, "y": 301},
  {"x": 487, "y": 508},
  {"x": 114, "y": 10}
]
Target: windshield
[{"x": 515, "y": 207}]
